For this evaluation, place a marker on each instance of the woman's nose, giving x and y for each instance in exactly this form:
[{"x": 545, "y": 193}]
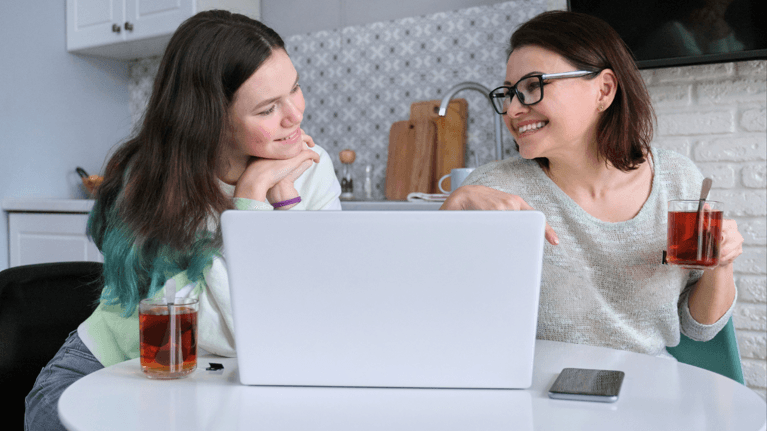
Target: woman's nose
[{"x": 516, "y": 108}]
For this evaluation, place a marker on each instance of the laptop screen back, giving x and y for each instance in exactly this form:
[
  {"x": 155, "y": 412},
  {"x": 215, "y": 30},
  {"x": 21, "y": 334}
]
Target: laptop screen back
[{"x": 385, "y": 298}]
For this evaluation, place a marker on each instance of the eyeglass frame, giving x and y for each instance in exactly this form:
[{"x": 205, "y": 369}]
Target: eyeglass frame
[{"x": 541, "y": 78}]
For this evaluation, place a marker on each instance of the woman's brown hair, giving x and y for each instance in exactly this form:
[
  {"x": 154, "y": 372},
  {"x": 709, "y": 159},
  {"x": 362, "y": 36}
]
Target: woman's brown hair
[
  {"x": 625, "y": 130},
  {"x": 161, "y": 187}
]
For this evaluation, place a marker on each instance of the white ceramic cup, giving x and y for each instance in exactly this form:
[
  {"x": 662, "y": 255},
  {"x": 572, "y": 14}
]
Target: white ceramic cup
[{"x": 457, "y": 177}]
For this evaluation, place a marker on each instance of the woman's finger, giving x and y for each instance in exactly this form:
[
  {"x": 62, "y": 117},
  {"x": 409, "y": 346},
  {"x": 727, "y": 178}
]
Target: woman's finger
[
  {"x": 474, "y": 197},
  {"x": 732, "y": 243},
  {"x": 550, "y": 235}
]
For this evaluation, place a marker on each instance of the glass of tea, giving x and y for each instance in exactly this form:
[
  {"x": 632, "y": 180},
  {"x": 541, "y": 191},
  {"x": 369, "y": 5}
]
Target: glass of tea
[
  {"x": 694, "y": 237},
  {"x": 168, "y": 336}
]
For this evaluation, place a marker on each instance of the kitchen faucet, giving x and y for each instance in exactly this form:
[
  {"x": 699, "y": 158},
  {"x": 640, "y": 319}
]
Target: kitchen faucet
[{"x": 468, "y": 85}]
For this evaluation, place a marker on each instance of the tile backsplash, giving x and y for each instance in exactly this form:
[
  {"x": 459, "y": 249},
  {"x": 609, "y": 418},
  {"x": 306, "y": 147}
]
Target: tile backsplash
[{"x": 358, "y": 80}]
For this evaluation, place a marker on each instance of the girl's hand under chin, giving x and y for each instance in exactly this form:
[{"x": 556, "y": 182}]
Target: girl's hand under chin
[{"x": 273, "y": 179}]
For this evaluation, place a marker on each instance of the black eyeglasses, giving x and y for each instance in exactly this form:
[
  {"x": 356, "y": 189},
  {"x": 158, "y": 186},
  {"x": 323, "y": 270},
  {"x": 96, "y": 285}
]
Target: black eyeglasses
[{"x": 529, "y": 90}]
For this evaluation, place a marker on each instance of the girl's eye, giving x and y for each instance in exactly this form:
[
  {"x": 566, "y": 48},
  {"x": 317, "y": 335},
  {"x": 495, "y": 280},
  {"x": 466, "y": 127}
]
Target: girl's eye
[
  {"x": 268, "y": 111},
  {"x": 296, "y": 88}
]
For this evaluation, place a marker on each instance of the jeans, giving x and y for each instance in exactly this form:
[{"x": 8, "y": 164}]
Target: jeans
[{"x": 72, "y": 362}]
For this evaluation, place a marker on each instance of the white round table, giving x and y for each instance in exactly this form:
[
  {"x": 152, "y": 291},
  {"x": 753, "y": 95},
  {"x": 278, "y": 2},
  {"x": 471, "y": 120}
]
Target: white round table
[{"x": 657, "y": 394}]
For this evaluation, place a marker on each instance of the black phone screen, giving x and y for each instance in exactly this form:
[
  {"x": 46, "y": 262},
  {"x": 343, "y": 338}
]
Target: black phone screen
[{"x": 587, "y": 385}]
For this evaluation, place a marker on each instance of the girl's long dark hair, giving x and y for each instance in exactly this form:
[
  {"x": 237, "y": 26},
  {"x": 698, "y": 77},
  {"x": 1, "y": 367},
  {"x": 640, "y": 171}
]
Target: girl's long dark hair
[
  {"x": 625, "y": 130},
  {"x": 160, "y": 188}
]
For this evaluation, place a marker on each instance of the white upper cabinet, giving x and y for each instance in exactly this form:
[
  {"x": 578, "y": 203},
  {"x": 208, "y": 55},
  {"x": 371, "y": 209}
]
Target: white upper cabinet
[
  {"x": 127, "y": 29},
  {"x": 90, "y": 21}
]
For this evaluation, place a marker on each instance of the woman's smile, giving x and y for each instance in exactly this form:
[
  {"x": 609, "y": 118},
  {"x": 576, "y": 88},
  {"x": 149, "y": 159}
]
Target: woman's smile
[{"x": 528, "y": 127}]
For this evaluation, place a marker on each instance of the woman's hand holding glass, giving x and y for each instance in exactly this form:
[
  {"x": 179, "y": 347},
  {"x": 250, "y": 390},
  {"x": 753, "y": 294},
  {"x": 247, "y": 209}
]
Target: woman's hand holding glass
[
  {"x": 475, "y": 197},
  {"x": 273, "y": 179},
  {"x": 714, "y": 292},
  {"x": 732, "y": 243}
]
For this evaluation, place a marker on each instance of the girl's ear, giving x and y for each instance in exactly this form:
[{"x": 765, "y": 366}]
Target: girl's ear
[
  {"x": 225, "y": 146},
  {"x": 608, "y": 87}
]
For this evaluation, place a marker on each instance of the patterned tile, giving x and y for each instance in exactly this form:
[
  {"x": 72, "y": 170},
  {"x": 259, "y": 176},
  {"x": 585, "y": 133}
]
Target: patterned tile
[
  {"x": 141, "y": 73},
  {"x": 358, "y": 80}
]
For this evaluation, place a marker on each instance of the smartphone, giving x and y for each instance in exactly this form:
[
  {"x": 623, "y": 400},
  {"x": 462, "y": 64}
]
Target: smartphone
[{"x": 587, "y": 385}]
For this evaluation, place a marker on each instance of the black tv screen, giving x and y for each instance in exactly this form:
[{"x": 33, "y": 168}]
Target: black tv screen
[{"x": 662, "y": 33}]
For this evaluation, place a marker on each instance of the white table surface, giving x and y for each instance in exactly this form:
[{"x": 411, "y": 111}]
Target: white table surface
[{"x": 657, "y": 394}]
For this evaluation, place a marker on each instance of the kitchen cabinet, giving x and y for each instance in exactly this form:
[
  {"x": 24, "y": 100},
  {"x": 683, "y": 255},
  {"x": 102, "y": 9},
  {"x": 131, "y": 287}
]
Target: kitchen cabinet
[
  {"x": 49, "y": 230},
  {"x": 128, "y": 29}
]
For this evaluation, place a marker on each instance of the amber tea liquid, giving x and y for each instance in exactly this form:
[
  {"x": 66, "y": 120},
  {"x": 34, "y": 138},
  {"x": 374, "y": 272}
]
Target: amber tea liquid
[
  {"x": 683, "y": 239},
  {"x": 154, "y": 330}
]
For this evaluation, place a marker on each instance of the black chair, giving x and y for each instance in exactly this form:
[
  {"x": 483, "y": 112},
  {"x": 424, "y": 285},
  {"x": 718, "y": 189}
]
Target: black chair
[{"x": 39, "y": 306}]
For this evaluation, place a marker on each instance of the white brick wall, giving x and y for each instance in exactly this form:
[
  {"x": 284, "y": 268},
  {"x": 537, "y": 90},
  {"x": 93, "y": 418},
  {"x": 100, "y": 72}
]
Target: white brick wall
[{"x": 715, "y": 114}]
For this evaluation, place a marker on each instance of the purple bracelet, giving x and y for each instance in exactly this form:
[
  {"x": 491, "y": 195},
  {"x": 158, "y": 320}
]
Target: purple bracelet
[{"x": 295, "y": 200}]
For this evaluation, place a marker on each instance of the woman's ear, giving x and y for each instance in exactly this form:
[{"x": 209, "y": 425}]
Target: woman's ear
[{"x": 608, "y": 87}]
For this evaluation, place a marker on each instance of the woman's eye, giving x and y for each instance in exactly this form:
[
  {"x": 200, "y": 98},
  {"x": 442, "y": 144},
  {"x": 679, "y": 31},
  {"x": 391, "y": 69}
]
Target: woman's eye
[
  {"x": 533, "y": 85},
  {"x": 296, "y": 88}
]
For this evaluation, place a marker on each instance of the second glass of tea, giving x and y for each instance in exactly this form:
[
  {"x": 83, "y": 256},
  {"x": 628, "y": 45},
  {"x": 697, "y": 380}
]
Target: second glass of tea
[
  {"x": 694, "y": 237},
  {"x": 168, "y": 345}
]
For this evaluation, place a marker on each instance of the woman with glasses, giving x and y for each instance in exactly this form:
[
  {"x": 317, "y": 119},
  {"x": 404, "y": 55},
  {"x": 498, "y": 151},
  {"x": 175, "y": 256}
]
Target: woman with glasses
[{"x": 581, "y": 116}]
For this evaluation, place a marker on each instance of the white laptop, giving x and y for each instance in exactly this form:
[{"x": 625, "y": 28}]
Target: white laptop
[{"x": 409, "y": 299}]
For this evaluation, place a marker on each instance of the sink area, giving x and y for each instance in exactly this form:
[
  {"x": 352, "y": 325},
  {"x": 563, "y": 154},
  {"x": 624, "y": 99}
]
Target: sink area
[{"x": 389, "y": 206}]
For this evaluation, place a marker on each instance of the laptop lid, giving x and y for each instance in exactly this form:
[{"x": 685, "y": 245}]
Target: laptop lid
[{"x": 437, "y": 299}]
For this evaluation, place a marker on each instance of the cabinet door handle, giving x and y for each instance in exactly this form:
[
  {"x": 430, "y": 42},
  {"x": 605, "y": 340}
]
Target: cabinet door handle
[
  {"x": 115, "y": 28},
  {"x": 128, "y": 26}
]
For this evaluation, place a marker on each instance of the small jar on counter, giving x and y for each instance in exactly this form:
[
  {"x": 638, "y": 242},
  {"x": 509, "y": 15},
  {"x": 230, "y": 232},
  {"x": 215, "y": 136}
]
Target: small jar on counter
[
  {"x": 347, "y": 183},
  {"x": 368, "y": 186}
]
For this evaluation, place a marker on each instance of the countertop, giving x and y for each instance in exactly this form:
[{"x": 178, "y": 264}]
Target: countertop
[
  {"x": 85, "y": 205},
  {"x": 48, "y": 205}
]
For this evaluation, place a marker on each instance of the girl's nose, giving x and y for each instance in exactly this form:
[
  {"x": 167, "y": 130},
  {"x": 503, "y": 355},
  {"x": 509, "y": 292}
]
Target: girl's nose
[{"x": 292, "y": 114}]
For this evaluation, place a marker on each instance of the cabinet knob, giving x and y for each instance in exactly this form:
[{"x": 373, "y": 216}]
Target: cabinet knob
[
  {"x": 115, "y": 28},
  {"x": 128, "y": 26}
]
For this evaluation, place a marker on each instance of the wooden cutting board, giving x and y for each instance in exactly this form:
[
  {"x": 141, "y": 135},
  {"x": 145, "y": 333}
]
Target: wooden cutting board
[
  {"x": 450, "y": 151},
  {"x": 411, "y": 158}
]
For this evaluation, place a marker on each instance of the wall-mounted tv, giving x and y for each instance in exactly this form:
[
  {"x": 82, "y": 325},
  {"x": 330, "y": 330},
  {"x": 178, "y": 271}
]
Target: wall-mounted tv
[{"x": 663, "y": 33}]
